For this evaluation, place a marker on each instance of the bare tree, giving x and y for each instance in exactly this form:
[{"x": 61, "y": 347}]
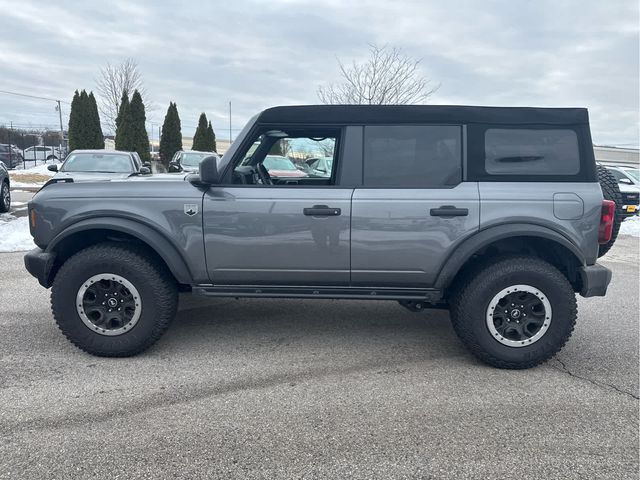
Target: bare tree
[
  {"x": 387, "y": 77},
  {"x": 113, "y": 80}
]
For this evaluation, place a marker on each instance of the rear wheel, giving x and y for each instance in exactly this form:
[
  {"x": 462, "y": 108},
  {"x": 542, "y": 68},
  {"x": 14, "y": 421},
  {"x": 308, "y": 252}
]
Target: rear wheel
[
  {"x": 5, "y": 197},
  {"x": 514, "y": 313},
  {"x": 112, "y": 300},
  {"x": 610, "y": 191}
]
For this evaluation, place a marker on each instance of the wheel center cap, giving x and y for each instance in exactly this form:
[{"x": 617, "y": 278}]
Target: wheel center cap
[
  {"x": 112, "y": 302},
  {"x": 515, "y": 313}
]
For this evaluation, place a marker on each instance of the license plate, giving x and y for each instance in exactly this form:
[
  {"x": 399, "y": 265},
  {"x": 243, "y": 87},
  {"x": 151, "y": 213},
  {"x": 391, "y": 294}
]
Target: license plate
[{"x": 631, "y": 208}]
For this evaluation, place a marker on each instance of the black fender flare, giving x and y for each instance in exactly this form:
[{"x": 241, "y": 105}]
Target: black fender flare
[
  {"x": 159, "y": 243},
  {"x": 473, "y": 244}
]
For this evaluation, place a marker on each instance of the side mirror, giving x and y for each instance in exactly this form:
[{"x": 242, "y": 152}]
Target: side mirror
[
  {"x": 626, "y": 181},
  {"x": 174, "y": 167},
  {"x": 209, "y": 170},
  {"x": 52, "y": 168},
  {"x": 144, "y": 170}
]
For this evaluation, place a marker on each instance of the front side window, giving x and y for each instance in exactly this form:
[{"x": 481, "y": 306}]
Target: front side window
[
  {"x": 424, "y": 156},
  {"x": 515, "y": 151},
  {"x": 284, "y": 157}
]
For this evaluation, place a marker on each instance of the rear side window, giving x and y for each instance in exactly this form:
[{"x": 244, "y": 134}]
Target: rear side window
[
  {"x": 412, "y": 156},
  {"x": 531, "y": 152}
]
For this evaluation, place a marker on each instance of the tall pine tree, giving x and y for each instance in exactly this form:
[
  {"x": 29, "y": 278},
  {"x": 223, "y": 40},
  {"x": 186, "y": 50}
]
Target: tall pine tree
[
  {"x": 96, "y": 137},
  {"x": 84, "y": 123},
  {"x": 200, "y": 137},
  {"x": 136, "y": 121},
  {"x": 171, "y": 137},
  {"x": 211, "y": 138},
  {"x": 122, "y": 140},
  {"x": 74, "y": 122}
]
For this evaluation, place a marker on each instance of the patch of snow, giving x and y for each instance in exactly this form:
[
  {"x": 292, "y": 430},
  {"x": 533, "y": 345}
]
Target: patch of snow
[
  {"x": 14, "y": 234},
  {"x": 631, "y": 226},
  {"x": 24, "y": 185},
  {"x": 40, "y": 169}
]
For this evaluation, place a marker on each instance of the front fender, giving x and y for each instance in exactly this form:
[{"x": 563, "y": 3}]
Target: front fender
[{"x": 171, "y": 255}]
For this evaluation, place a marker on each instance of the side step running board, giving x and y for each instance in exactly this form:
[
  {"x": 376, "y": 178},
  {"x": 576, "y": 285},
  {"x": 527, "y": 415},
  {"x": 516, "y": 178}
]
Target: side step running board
[{"x": 358, "y": 293}]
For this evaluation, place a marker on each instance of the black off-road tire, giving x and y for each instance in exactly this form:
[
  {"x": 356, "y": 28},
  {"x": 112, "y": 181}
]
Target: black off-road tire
[
  {"x": 470, "y": 303},
  {"x": 5, "y": 197},
  {"x": 155, "y": 284},
  {"x": 610, "y": 191}
]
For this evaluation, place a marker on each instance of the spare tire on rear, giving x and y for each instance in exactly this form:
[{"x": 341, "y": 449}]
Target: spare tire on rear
[{"x": 610, "y": 191}]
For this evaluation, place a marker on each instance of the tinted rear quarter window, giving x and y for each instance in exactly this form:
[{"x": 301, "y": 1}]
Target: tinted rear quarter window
[
  {"x": 531, "y": 152},
  {"x": 412, "y": 156}
]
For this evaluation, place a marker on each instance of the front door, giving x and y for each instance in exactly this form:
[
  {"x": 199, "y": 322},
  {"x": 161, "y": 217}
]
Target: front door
[{"x": 277, "y": 221}]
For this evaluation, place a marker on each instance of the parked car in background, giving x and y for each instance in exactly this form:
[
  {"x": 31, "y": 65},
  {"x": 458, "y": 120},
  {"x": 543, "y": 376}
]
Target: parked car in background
[
  {"x": 188, "y": 160},
  {"x": 42, "y": 153},
  {"x": 629, "y": 185},
  {"x": 280, "y": 167},
  {"x": 320, "y": 167},
  {"x": 88, "y": 165},
  {"x": 5, "y": 189},
  {"x": 9, "y": 156}
]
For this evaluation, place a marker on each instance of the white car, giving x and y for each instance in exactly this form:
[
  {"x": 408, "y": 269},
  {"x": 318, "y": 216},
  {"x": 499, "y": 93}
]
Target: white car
[{"x": 41, "y": 153}]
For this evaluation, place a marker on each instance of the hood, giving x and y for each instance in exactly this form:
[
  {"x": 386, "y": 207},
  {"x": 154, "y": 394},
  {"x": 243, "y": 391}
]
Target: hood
[{"x": 91, "y": 176}]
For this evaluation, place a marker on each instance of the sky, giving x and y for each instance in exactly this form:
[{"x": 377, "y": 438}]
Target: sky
[{"x": 256, "y": 54}]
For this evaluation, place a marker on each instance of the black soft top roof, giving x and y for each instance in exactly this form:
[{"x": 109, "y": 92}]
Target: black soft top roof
[{"x": 393, "y": 114}]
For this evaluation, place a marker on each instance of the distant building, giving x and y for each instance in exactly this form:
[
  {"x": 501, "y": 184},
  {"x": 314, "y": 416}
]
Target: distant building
[{"x": 617, "y": 155}]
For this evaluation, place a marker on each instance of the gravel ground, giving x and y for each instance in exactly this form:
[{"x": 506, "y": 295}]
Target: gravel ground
[{"x": 316, "y": 389}]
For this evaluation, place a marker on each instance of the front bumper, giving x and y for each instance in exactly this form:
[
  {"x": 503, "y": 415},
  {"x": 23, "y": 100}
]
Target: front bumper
[
  {"x": 595, "y": 280},
  {"x": 40, "y": 264}
]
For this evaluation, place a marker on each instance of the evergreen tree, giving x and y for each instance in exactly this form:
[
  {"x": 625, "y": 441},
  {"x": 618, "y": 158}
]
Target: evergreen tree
[
  {"x": 84, "y": 123},
  {"x": 211, "y": 139},
  {"x": 122, "y": 142},
  {"x": 74, "y": 122},
  {"x": 95, "y": 138},
  {"x": 171, "y": 137},
  {"x": 200, "y": 137},
  {"x": 135, "y": 123}
]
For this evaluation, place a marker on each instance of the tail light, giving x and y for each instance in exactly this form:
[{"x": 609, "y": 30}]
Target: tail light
[{"x": 607, "y": 218}]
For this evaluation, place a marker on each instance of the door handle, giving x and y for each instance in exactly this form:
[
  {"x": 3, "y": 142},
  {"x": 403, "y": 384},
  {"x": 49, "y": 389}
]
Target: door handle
[
  {"x": 321, "y": 211},
  {"x": 449, "y": 211}
]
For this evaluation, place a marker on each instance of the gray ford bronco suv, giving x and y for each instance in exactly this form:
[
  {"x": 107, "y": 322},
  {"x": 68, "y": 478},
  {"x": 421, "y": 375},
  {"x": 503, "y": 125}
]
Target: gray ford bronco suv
[{"x": 494, "y": 213}]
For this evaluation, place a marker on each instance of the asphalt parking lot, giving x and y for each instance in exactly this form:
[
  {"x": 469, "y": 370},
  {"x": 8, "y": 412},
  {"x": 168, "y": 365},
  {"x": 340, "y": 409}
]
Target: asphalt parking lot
[{"x": 316, "y": 389}]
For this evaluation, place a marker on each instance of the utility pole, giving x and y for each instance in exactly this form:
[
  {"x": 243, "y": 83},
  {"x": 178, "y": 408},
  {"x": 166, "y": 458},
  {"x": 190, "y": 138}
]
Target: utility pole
[
  {"x": 230, "y": 139},
  {"x": 61, "y": 129}
]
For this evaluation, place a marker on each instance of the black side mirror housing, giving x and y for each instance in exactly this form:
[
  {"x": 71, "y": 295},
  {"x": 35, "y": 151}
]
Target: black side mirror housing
[
  {"x": 174, "y": 167},
  {"x": 52, "y": 168},
  {"x": 209, "y": 170},
  {"x": 145, "y": 170}
]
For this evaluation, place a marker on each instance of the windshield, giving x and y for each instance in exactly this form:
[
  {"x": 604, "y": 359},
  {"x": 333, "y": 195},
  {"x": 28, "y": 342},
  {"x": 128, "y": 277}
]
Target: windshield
[
  {"x": 274, "y": 162},
  {"x": 97, "y": 162},
  {"x": 193, "y": 159},
  {"x": 633, "y": 173}
]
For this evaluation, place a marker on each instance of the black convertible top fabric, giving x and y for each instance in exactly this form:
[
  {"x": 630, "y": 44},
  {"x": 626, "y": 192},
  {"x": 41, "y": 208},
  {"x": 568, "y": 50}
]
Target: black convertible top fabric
[{"x": 416, "y": 114}]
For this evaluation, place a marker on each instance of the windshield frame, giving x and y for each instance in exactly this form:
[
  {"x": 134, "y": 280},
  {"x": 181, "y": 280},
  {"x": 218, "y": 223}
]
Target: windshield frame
[{"x": 225, "y": 160}]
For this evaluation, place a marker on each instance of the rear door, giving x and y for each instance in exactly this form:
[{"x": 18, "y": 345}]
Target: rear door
[{"x": 413, "y": 208}]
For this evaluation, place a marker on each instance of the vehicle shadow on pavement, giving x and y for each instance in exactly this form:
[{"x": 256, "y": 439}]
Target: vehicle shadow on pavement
[{"x": 311, "y": 328}]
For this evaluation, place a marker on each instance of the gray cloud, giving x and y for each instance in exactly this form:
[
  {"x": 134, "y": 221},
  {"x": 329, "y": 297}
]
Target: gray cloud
[{"x": 258, "y": 54}]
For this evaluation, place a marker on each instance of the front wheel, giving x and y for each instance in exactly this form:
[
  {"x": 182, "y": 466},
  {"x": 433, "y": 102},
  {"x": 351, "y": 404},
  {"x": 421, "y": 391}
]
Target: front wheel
[
  {"x": 515, "y": 313},
  {"x": 112, "y": 300}
]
